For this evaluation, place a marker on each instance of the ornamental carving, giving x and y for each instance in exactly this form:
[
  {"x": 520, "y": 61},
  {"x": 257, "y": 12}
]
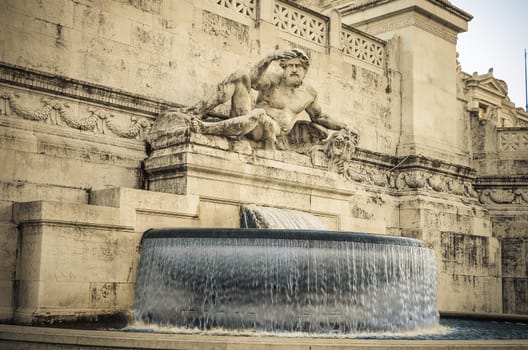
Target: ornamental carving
[
  {"x": 369, "y": 175},
  {"x": 338, "y": 149},
  {"x": 504, "y": 196},
  {"x": 55, "y": 112},
  {"x": 427, "y": 180},
  {"x": 411, "y": 180},
  {"x": 437, "y": 183},
  {"x": 513, "y": 140},
  {"x": 413, "y": 19}
]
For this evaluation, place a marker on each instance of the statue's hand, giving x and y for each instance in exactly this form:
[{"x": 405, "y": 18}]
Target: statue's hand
[{"x": 284, "y": 54}]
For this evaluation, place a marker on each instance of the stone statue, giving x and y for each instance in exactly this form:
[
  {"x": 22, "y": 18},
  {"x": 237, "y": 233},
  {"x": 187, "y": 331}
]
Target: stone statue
[{"x": 281, "y": 97}]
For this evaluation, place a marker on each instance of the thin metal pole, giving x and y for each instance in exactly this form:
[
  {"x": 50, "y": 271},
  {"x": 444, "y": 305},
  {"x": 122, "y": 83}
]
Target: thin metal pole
[{"x": 525, "y": 82}]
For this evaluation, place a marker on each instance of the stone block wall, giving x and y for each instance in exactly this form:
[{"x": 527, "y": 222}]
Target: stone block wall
[
  {"x": 58, "y": 145},
  {"x": 501, "y": 158},
  {"x": 75, "y": 260},
  {"x": 78, "y": 261},
  {"x": 510, "y": 226},
  {"x": 178, "y": 51},
  {"x": 468, "y": 257},
  {"x": 81, "y": 83}
]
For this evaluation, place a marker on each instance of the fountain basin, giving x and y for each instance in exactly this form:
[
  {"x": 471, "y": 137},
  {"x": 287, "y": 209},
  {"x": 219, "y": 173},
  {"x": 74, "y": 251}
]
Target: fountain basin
[{"x": 285, "y": 280}]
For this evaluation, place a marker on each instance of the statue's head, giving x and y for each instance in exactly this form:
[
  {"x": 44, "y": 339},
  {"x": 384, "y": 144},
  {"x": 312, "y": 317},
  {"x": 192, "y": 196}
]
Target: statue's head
[
  {"x": 294, "y": 69},
  {"x": 341, "y": 144}
]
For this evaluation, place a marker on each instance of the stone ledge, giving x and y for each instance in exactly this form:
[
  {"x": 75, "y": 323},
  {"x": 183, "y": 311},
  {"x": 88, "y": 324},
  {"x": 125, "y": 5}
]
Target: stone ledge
[
  {"x": 20, "y": 337},
  {"x": 60, "y": 85},
  {"x": 68, "y": 213},
  {"x": 368, "y": 171}
]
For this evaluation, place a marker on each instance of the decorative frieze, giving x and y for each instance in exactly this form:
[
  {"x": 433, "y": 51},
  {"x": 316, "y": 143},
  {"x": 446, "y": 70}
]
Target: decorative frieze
[
  {"x": 504, "y": 196},
  {"x": 436, "y": 182},
  {"x": 513, "y": 140},
  {"x": 300, "y": 23},
  {"x": 56, "y": 112},
  {"x": 412, "y": 19},
  {"x": 345, "y": 160},
  {"x": 369, "y": 175}
]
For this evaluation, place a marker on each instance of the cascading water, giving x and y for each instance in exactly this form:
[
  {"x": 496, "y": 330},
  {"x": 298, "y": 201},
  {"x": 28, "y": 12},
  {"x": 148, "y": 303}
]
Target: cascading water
[
  {"x": 255, "y": 216},
  {"x": 285, "y": 280}
]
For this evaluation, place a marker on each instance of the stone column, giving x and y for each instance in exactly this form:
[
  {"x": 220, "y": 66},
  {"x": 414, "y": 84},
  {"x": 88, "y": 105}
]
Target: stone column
[{"x": 427, "y": 30}]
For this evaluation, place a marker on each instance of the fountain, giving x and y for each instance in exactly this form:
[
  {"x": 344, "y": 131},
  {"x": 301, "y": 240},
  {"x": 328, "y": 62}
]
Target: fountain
[
  {"x": 256, "y": 216},
  {"x": 283, "y": 280}
]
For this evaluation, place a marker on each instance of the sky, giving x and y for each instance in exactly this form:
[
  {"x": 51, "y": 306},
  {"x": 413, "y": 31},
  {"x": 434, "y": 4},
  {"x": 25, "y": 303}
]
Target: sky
[{"x": 496, "y": 38}]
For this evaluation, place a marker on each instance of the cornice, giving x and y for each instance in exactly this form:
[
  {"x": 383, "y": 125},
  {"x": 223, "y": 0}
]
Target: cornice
[
  {"x": 501, "y": 181},
  {"x": 409, "y": 18},
  {"x": 354, "y": 7},
  {"x": 80, "y": 90},
  {"x": 453, "y": 9}
]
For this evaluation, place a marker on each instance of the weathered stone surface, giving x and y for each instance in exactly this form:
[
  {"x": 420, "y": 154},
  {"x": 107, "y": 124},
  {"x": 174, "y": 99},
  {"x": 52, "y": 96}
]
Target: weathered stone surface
[
  {"x": 440, "y": 134},
  {"x": 8, "y": 260},
  {"x": 147, "y": 209},
  {"x": 81, "y": 83},
  {"x": 71, "y": 250}
]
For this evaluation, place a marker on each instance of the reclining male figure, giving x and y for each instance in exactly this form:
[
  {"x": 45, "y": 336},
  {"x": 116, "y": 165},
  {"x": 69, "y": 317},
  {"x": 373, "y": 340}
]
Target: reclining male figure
[{"x": 281, "y": 97}]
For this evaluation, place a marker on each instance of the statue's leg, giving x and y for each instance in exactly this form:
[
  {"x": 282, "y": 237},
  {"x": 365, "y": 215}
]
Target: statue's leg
[
  {"x": 237, "y": 126},
  {"x": 267, "y": 130},
  {"x": 241, "y": 98},
  {"x": 257, "y": 124},
  {"x": 235, "y": 88}
]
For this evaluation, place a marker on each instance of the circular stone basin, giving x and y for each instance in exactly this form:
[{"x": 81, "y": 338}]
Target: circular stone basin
[{"x": 285, "y": 280}]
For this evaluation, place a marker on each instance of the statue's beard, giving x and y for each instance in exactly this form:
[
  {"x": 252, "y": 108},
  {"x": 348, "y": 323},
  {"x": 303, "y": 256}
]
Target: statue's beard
[{"x": 293, "y": 81}]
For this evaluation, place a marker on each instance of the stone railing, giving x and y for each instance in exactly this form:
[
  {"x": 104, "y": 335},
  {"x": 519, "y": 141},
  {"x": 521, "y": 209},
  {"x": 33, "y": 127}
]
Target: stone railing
[
  {"x": 312, "y": 26},
  {"x": 301, "y": 22},
  {"x": 246, "y": 8},
  {"x": 361, "y": 46}
]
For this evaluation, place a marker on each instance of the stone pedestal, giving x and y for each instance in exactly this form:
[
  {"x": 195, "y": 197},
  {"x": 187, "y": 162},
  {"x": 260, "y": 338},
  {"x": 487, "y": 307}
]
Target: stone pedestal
[{"x": 75, "y": 263}]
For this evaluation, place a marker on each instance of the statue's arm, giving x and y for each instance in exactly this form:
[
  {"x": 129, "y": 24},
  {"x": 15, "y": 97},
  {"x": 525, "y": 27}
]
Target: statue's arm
[
  {"x": 318, "y": 117},
  {"x": 261, "y": 81}
]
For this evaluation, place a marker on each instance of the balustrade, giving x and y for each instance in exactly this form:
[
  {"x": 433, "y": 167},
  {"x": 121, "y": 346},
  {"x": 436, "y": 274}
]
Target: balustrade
[{"x": 309, "y": 25}]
